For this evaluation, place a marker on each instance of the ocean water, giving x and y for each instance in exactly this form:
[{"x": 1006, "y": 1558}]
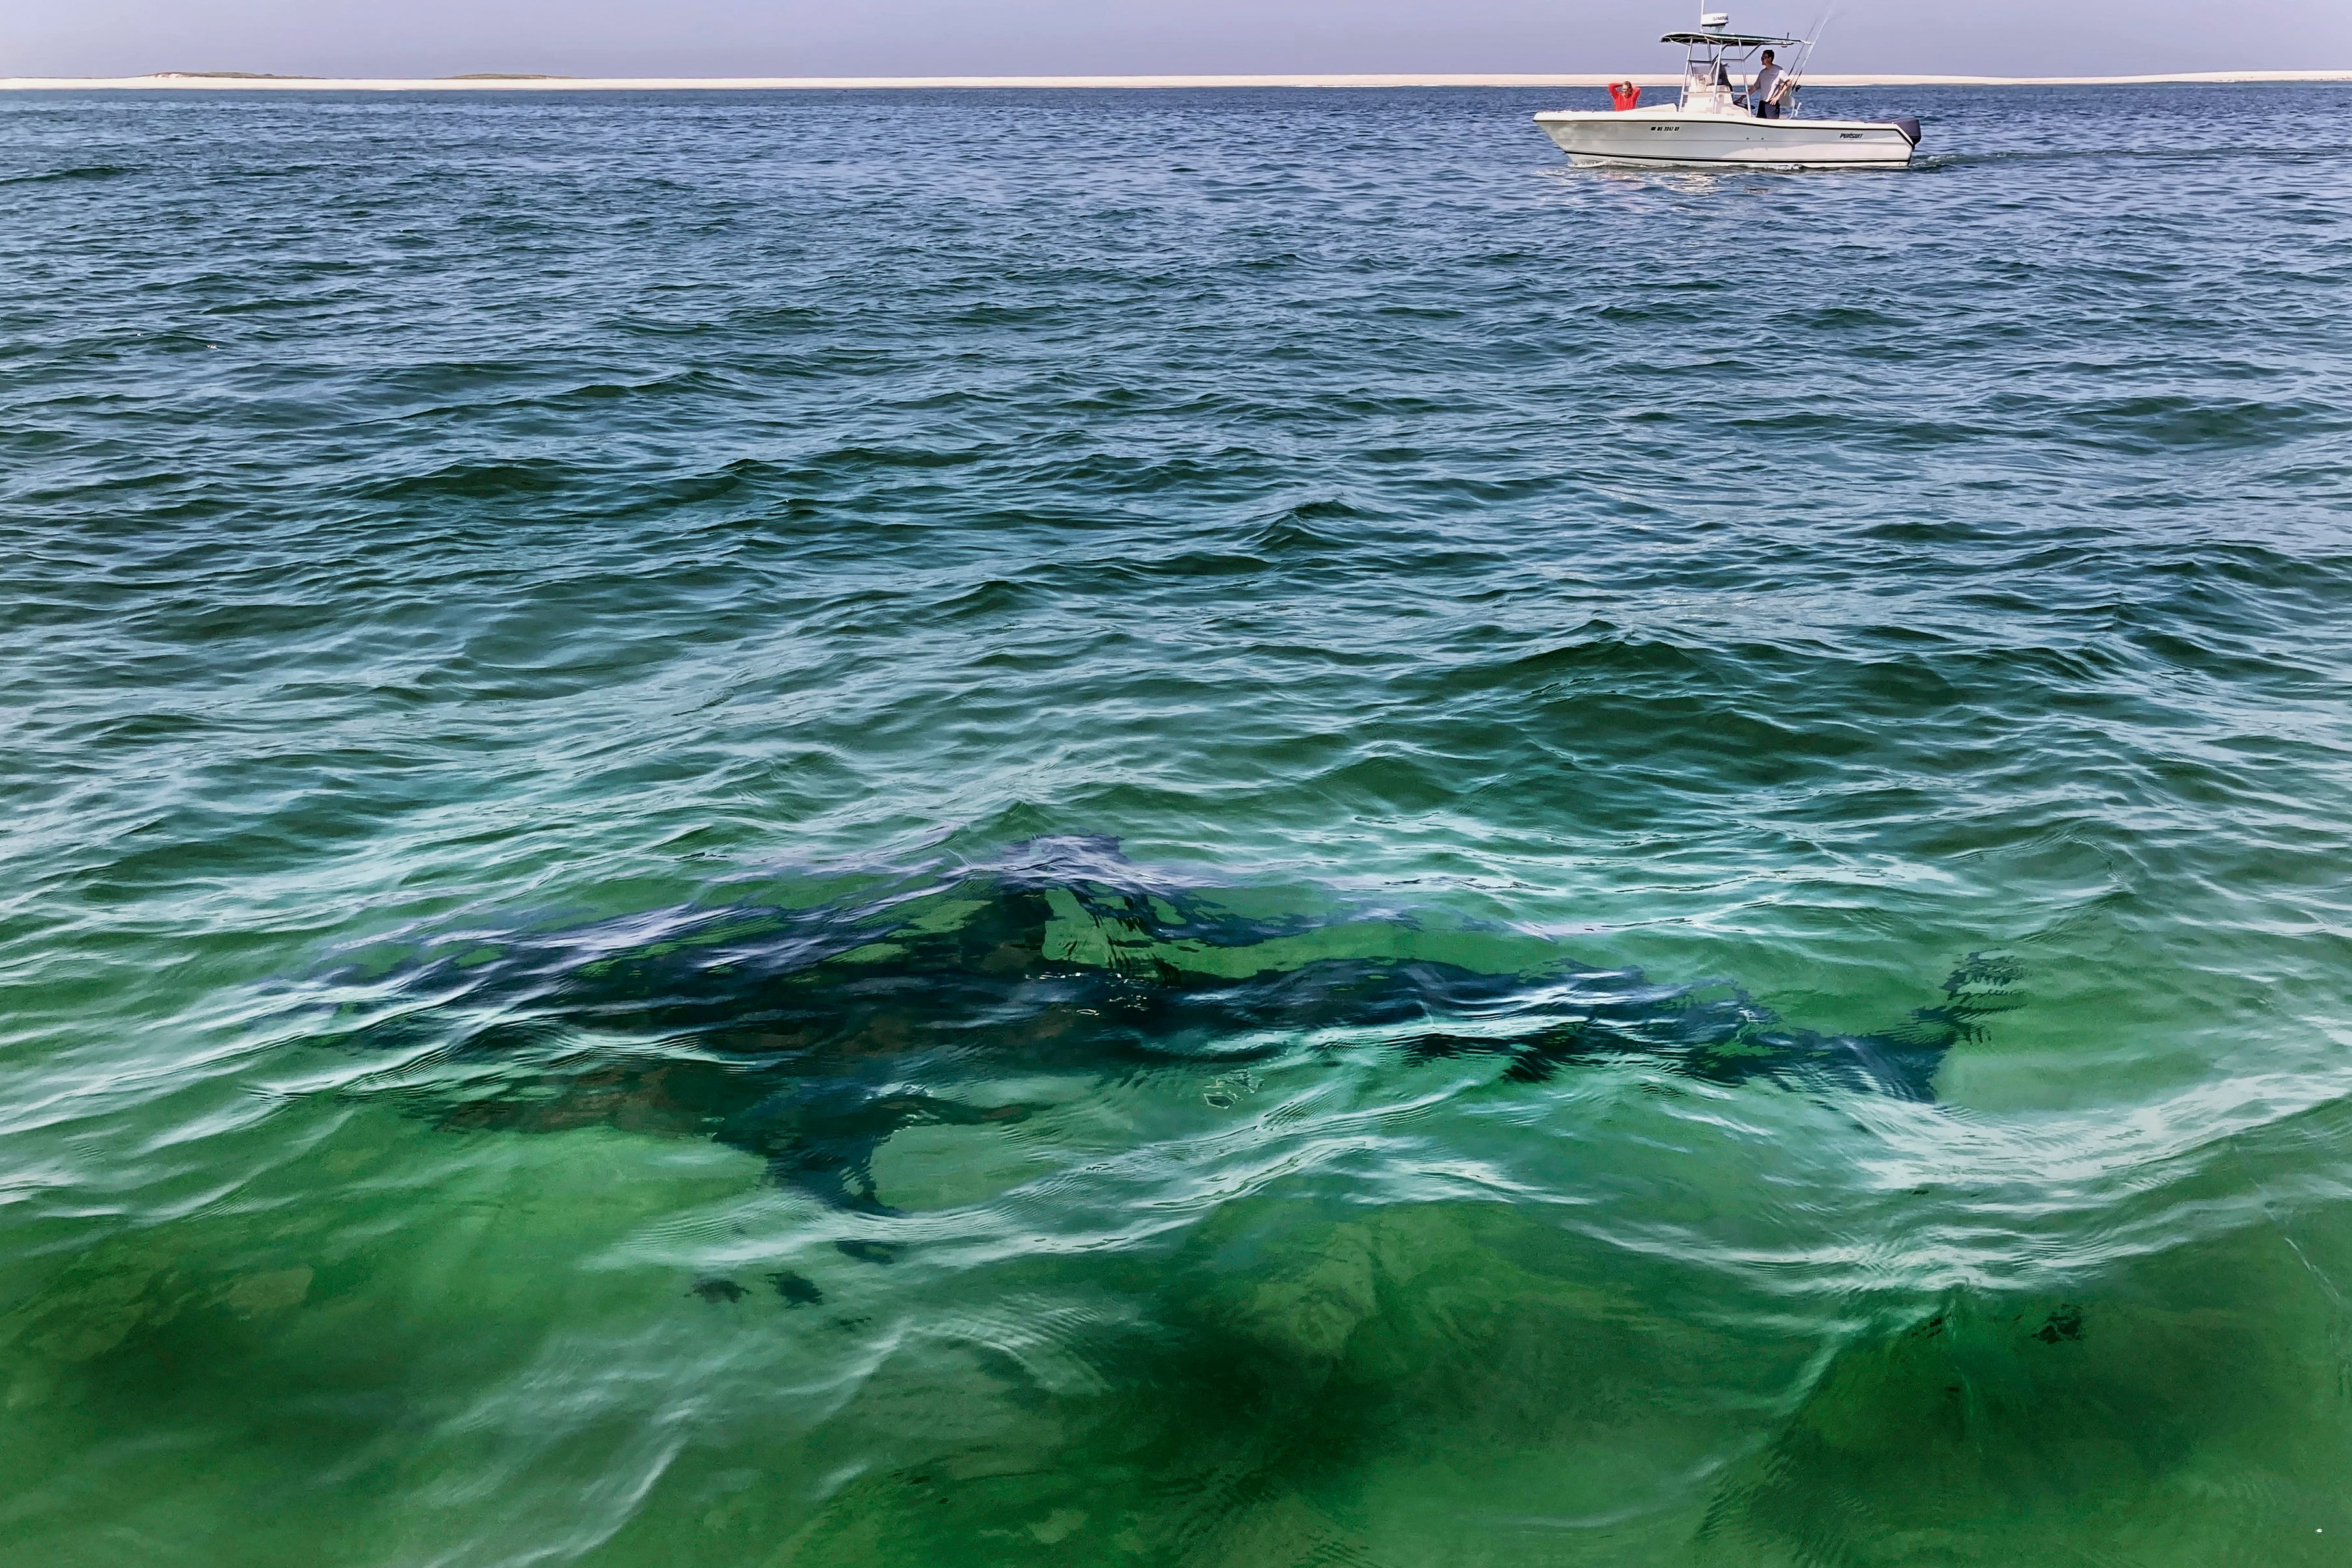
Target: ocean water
[{"x": 1209, "y": 829}]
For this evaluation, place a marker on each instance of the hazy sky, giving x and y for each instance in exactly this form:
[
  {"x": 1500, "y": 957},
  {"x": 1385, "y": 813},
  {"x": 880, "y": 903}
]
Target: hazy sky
[{"x": 909, "y": 37}]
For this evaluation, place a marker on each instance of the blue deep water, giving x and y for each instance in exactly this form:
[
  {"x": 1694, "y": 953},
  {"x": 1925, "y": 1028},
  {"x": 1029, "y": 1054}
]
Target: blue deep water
[{"x": 1216, "y": 829}]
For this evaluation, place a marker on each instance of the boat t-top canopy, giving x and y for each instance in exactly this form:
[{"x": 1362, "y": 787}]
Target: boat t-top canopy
[
  {"x": 1715, "y": 67},
  {"x": 1732, "y": 40}
]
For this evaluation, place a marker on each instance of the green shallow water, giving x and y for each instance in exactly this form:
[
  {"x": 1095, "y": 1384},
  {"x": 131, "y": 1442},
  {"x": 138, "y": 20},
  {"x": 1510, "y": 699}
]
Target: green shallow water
[{"x": 1177, "y": 828}]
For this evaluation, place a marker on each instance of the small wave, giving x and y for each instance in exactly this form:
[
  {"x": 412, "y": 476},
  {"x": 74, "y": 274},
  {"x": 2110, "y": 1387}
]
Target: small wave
[
  {"x": 79, "y": 171},
  {"x": 479, "y": 482},
  {"x": 2320, "y": 153},
  {"x": 1305, "y": 532},
  {"x": 2173, "y": 422}
]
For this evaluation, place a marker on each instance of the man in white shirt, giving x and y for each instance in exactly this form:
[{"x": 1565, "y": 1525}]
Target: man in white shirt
[{"x": 1764, "y": 92}]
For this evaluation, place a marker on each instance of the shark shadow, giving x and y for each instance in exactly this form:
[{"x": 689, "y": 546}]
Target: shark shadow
[{"x": 808, "y": 1037}]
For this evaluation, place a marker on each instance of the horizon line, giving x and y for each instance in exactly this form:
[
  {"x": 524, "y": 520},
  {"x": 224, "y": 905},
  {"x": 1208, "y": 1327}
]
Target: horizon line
[{"x": 523, "y": 82}]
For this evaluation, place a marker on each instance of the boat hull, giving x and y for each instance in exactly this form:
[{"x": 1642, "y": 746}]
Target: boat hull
[{"x": 1675, "y": 139}]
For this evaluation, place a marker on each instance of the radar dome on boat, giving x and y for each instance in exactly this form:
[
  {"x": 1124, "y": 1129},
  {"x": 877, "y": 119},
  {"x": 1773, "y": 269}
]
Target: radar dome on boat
[{"x": 1715, "y": 18}]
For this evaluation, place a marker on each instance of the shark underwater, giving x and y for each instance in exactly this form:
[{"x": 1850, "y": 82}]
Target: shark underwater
[{"x": 809, "y": 1036}]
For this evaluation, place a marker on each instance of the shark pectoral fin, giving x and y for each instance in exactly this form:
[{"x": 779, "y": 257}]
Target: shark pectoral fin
[{"x": 837, "y": 1171}]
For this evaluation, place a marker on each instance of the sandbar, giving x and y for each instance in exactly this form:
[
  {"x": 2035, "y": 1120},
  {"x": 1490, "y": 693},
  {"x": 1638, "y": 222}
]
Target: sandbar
[{"x": 220, "y": 81}]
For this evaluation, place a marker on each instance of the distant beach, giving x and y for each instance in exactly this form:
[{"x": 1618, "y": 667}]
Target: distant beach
[{"x": 497, "y": 82}]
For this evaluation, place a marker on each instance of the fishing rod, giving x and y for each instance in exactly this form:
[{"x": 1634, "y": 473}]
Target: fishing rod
[{"x": 1797, "y": 77}]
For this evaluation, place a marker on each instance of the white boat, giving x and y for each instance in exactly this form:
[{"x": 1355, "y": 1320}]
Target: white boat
[{"x": 1721, "y": 119}]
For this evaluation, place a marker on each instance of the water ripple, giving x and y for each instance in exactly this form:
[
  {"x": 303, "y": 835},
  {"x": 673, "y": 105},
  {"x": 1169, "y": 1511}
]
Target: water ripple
[{"x": 1182, "y": 827}]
